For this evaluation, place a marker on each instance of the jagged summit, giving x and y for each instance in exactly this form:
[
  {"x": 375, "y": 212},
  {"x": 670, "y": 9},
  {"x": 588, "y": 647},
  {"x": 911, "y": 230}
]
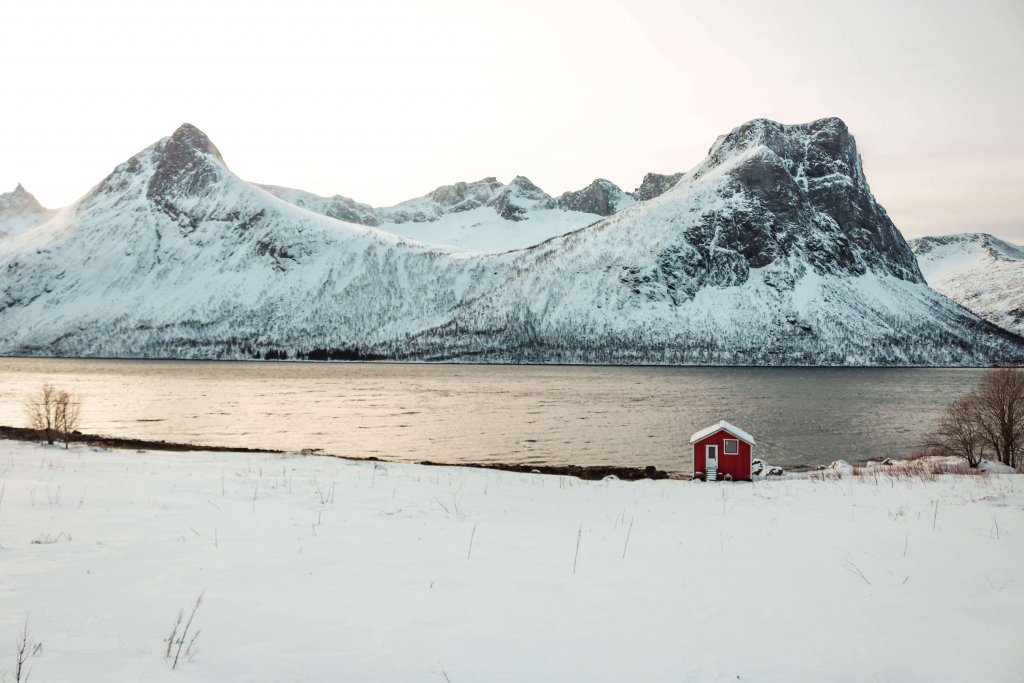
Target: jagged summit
[
  {"x": 601, "y": 197},
  {"x": 187, "y": 163},
  {"x": 780, "y": 137},
  {"x": 19, "y": 199},
  {"x": 654, "y": 185},
  {"x": 805, "y": 188},
  {"x": 189, "y": 139}
]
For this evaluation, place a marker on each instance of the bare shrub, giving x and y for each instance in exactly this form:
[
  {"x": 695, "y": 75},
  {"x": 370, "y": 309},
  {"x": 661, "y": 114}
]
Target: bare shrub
[
  {"x": 959, "y": 431},
  {"x": 53, "y": 413},
  {"x": 41, "y": 409},
  {"x": 66, "y": 414}
]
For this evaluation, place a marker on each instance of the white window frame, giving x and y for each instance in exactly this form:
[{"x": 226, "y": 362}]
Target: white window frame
[{"x": 735, "y": 444}]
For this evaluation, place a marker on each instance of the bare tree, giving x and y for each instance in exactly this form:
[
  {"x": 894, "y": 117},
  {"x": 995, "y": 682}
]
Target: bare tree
[
  {"x": 1000, "y": 413},
  {"x": 42, "y": 411},
  {"x": 959, "y": 431},
  {"x": 66, "y": 413},
  {"x": 54, "y": 413}
]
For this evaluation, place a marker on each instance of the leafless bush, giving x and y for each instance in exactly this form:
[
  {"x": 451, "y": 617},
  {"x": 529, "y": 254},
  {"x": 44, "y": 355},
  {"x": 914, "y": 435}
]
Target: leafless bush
[
  {"x": 41, "y": 409},
  {"x": 959, "y": 431},
  {"x": 66, "y": 413},
  {"x": 54, "y": 413}
]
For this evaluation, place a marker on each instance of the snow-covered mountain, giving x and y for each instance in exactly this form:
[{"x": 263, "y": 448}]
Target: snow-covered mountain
[
  {"x": 770, "y": 251},
  {"x": 978, "y": 271},
  {"x": 485, "y": 216}
]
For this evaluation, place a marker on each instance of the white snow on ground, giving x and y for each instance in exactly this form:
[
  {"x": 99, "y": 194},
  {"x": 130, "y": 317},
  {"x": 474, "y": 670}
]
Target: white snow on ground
[{"x": 320, "y": 569}]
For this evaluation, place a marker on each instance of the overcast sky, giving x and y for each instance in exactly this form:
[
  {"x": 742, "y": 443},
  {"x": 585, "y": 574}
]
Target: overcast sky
[{"x": 385, "y": 100}]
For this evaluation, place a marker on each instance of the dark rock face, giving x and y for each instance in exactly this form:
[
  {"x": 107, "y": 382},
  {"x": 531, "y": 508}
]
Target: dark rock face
[
  {"x": 654, "y": 185},
  {"x": 351, "y": 211},
  {"x": 465, "y": 196},
  {"x": 600, "y": 197},
  {"x": 184, "y": 165},
  {"x": 510, "y": 202},
  {"x": 808, "y": 195}
]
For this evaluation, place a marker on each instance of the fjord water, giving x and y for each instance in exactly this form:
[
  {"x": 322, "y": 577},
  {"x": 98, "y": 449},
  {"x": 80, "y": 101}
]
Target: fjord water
[{"x": 584, "y": 415}]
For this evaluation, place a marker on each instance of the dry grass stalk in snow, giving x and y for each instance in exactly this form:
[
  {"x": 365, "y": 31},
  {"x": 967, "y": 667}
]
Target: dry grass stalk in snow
[{"x": 183, "y": 641}]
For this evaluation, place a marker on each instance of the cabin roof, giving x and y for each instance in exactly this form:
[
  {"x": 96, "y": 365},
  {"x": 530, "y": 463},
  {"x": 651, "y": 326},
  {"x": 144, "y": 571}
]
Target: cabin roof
[{"x": 723, "y": 425}]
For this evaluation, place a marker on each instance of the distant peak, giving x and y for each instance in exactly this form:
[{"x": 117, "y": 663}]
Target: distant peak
[
  {"x": 523, "y": 186},
  {"x": 21, "y": 198}
]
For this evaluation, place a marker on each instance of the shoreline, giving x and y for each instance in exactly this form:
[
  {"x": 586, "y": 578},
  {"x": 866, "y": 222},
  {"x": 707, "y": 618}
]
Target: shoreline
[
  {"x": 450, "y": 362},
  {"x": 587, "y": 472}
]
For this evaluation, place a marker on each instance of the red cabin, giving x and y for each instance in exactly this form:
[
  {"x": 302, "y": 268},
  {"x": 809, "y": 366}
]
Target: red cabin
[{"x": 722, "y": 451}]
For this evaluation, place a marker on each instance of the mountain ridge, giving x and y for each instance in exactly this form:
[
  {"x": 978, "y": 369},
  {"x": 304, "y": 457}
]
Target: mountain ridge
[{"x": 770, "y": 251}]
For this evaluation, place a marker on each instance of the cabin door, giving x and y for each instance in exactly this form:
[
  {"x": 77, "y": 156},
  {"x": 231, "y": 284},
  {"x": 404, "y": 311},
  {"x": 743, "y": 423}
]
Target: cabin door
[{"x": 711, "y": 462}]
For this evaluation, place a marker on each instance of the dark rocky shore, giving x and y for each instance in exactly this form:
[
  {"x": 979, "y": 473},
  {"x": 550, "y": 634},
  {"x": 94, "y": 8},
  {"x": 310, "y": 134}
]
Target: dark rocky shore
[{"x": 592, "y": 472}]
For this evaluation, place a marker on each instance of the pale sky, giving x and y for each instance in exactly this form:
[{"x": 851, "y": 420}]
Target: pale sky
[{"x": 385, "y": 100}]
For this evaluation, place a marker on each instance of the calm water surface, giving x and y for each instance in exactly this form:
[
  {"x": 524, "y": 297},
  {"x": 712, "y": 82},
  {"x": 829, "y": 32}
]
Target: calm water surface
[{"x": 479, "y": 413}]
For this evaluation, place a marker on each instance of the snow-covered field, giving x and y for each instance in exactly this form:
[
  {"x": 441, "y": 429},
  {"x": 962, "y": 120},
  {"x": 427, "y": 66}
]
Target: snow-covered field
[{"x": 319, "y": 569}]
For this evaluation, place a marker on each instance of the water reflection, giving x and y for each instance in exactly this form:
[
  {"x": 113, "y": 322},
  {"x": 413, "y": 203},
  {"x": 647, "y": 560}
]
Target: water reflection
[{"x": 531, "y": 414}]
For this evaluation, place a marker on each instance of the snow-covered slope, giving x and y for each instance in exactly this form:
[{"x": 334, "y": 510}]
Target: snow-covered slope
[
  {"x": 770, "y": 251},
  {"x": 978, "y": 271},
  {"x": 485, "y": 216},
  {"x": 481, "y": 217}
]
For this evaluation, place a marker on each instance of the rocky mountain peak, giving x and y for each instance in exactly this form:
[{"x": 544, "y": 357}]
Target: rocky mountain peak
[
  {"x": 654, "y": 185},
  {"x": 189, "y": 139},
  {"x": 806, "y": 193},
  {"x": 813, "y": 150},
  {"x": 601, "y": 197},
  {"x": 187, "y": 163},
  {"x": 463, "y": 196},
  {"x": 523, "y": 186},
  {"x": 516, "y": 197}
]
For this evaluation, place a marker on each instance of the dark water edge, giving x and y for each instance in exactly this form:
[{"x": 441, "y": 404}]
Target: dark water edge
[{"x": 589, "y": 472}]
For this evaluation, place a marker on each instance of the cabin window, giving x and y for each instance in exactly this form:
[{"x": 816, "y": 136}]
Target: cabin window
[{"x": 732, "y": 446}]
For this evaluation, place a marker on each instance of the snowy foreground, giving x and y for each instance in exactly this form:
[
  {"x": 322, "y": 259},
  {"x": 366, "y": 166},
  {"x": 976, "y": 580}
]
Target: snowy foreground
[{"x": 318, "y": 569}]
